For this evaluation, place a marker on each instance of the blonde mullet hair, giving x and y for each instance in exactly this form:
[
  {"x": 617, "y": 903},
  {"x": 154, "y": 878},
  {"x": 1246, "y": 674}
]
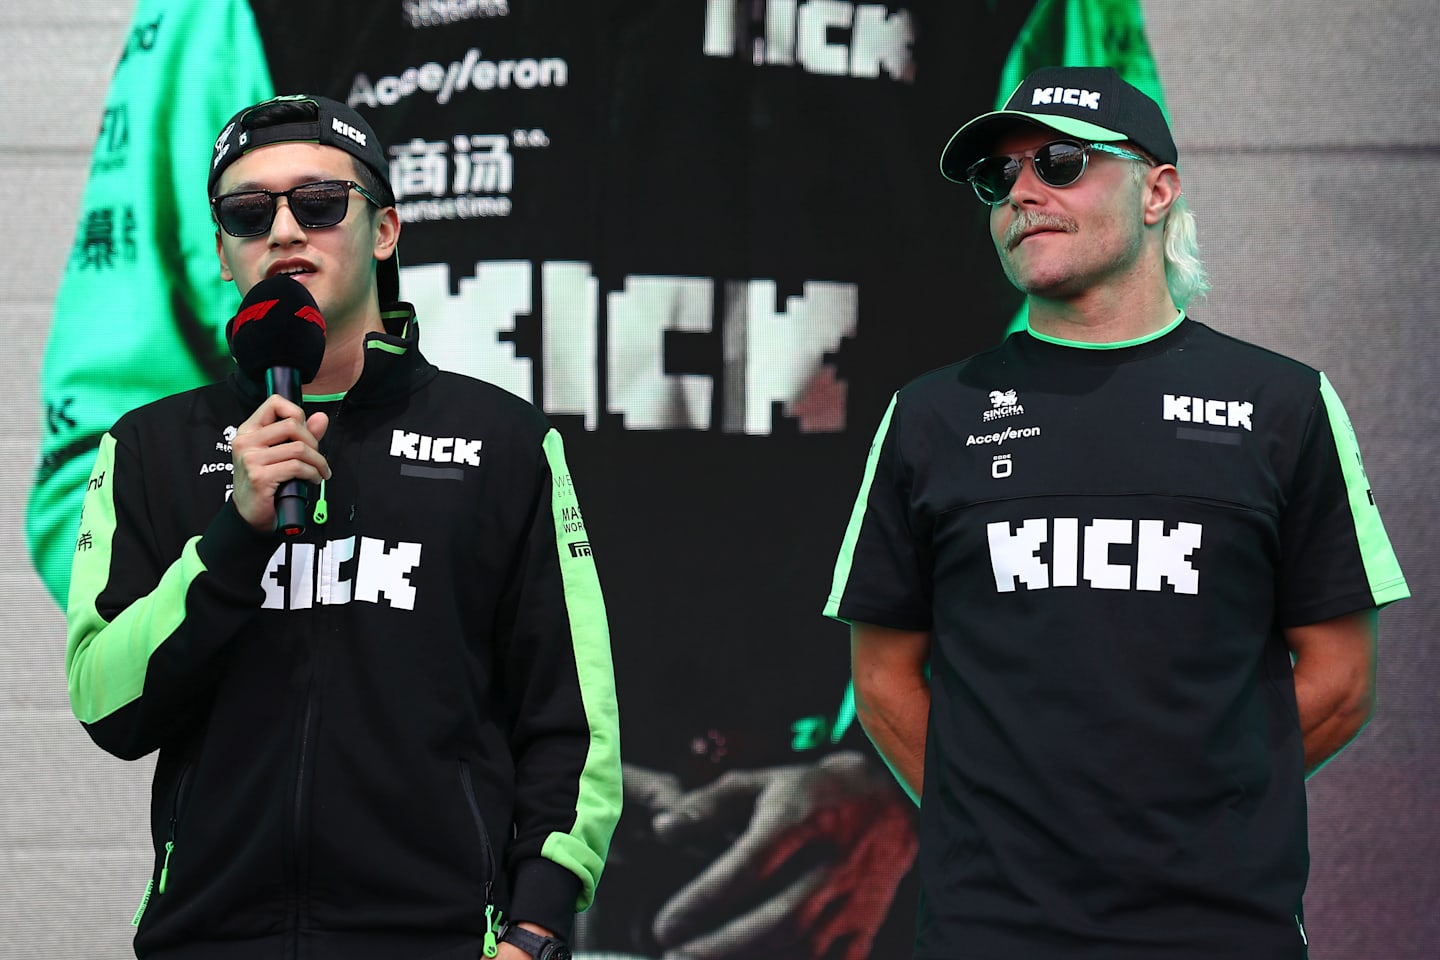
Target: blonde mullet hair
[{"x": 1184, "y": 271}]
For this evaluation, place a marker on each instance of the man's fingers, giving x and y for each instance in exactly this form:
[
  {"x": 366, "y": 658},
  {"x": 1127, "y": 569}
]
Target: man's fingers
[
  {"x": 766, "y": 930},
  {"x": 283, "y": 450},
  {"x": 273, "y": 408},
  {"x": 276, "y": 443},
  {"x": 317, "y": 424},
  {"x": 733, "y": 879},
  {"x": 733, "y": 795},
  {"x": 652, "y": 790},
  {"x": 275, "y": 432},
  {"x": 264, "y": 441}
]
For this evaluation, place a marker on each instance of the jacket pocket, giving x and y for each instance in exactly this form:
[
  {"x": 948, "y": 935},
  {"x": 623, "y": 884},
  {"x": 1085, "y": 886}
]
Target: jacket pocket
[
  {"x": 487, "y": 863},
  {"x": 160, "y": 880},
  {"x": 175, "y": 812}
]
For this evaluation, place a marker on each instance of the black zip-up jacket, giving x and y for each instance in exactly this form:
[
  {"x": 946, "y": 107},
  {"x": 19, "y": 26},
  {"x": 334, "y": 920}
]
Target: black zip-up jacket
[{"x": 380, "y": 735}]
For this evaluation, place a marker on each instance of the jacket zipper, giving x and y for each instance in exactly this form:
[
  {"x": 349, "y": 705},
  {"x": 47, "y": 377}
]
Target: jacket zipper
[
  {"x": 321, "y": 513},
  {"x": 300, "y": 870},
  {"x": 492, "y": 915}
]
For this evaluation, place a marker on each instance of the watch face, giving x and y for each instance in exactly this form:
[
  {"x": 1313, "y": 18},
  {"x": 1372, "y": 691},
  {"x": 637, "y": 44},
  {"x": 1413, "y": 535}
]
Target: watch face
[{"x": 554, "y": 951}]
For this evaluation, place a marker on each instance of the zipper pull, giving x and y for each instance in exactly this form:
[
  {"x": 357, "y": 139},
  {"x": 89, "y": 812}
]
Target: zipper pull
[
  {"x": 165, "y": 867},
  {"x": 492, "y": 921},
  {"x": 322, "y": 508}
]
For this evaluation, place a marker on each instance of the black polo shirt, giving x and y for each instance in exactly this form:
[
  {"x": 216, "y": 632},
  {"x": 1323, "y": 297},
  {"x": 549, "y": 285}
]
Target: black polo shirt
[{"x": 1106, "y": 544}]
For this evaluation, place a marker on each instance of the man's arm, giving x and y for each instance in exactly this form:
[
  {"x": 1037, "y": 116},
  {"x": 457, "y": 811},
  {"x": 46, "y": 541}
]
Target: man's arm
[
  {"x": 892, "y": 697},
  {"x": 565, "y": 732},
  {"x": 146, "y": 629},
  {"x": 1334, "y": 681}
]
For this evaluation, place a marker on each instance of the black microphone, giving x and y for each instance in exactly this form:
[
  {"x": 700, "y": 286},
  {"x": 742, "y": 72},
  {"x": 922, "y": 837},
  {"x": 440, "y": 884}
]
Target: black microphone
[{"x": 279, "y": 336}]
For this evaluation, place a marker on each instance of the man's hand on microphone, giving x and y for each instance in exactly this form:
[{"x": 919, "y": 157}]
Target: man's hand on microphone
[{"x": 277, "y": 443}]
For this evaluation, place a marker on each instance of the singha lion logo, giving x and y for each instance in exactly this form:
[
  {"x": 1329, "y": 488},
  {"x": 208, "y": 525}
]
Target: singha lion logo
[{"x": 1006, "y": 399}]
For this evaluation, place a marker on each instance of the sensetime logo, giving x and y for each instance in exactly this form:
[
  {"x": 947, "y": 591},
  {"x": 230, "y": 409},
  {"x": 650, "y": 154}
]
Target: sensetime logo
[{"x": 468, "y": 176}]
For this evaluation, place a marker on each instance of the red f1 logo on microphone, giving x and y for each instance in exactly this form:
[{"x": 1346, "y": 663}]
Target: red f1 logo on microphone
[
  {"x": 309, "y": 314},
  {"x": 255, "y": 311}
]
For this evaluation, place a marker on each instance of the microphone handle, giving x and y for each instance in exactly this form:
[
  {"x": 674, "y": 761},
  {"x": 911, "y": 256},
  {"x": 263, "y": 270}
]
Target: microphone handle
[{"x": 292, "y": 496}]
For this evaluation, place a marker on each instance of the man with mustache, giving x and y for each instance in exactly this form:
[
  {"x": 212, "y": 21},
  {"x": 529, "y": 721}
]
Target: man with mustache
[{"x": 1112, "y": 585}]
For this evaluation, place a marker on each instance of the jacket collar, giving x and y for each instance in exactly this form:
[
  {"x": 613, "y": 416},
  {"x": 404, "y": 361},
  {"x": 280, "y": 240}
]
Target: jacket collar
[{"x": 394, "y": 366}]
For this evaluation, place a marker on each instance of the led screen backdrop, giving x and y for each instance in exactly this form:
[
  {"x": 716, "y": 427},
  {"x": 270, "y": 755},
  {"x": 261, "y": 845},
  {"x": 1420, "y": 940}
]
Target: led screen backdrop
[{"x": 708, "y": 238}]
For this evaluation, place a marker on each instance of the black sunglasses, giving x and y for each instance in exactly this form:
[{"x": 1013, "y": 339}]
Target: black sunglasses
[
  {"x": 1058, "y": 163},
  {"x": 249, "y": 213}
]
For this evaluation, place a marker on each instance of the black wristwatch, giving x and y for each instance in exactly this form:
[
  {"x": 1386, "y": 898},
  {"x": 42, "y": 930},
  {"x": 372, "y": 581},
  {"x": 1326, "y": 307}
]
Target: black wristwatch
[{"x": 541, "y": 948}]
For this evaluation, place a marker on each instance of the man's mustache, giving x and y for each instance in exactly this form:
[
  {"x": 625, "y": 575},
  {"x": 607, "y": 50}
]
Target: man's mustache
[{"x": 1028, "y": 221}]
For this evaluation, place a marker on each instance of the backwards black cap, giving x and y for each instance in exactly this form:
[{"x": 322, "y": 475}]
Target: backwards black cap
[
  {"x": 332, "y": 124},
  {"x": 1088, "y": 103}
]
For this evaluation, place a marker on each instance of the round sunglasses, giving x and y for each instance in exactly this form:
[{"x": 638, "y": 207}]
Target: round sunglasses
[
  {"x": 249, "y": 213},
  {"x": 1058, "y": 163}
]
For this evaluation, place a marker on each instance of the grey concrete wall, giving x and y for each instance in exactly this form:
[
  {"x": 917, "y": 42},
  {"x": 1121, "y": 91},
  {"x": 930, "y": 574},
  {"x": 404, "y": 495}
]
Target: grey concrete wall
[
  {"x": 1310, "y": 144},
  {"x": 73, "y": 850}
]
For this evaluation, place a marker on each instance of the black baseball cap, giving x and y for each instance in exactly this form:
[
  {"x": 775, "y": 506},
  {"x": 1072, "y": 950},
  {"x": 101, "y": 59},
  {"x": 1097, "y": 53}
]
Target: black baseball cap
[
  {"x": 1088, "y": 103},
  {"x": 333, "y": 125}
]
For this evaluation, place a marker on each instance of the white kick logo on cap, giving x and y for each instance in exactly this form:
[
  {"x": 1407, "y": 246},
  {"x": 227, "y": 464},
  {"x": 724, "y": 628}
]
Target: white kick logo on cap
[{"x": 1090, "y": 99}]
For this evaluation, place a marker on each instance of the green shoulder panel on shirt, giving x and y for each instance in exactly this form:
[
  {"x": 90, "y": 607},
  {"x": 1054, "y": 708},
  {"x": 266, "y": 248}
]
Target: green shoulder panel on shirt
[
  {"x": 857, "y": 517},
  {"x": 582, "y": 851},
  {"x": 1382, "y": 569}
]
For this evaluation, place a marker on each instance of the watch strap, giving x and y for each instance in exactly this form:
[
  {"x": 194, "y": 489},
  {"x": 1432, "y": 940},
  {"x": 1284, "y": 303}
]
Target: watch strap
[{"x": 532, "y": 943}]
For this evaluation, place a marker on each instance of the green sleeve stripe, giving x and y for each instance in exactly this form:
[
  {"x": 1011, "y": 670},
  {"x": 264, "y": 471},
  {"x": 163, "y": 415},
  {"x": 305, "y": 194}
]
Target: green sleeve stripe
[
  {"x": 1382, "y": 569},
  {"x": 597, "y": 807},
  {"x": 857, "y": 517},
  {"x": 105, "y": 662}
]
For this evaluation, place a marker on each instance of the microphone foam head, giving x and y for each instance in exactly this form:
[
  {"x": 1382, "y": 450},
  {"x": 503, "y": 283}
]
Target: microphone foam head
[{"x": 278, "y": 325}]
